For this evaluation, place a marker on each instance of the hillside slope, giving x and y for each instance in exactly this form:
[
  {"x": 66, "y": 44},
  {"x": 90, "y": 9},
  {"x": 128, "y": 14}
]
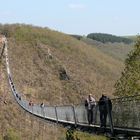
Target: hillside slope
[
  {"x": 116, "y": 50},
  {"x": 37, "y": 76},
  {"x": 15, "y": 123}
]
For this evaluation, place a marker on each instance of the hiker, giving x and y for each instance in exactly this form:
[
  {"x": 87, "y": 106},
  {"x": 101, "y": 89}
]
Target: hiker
[
  {"x": 19, "y": 97},
  {"x": 90, "y": 103},
  {"x": 42, "y": 105},
  {"x": 16, "y": 95},
  {"x": 31, "y": 103},
  {"x": 42, "y": 109},
  {"x": 105, "y": 107},
  {"x": 10, "y": 78}
]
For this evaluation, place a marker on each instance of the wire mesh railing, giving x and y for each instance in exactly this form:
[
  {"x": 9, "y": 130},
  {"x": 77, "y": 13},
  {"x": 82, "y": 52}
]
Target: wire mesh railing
[{"x": 126, "y": 113}]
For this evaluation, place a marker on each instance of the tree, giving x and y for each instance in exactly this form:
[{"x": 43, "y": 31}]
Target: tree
[{"x": 129, "y": 83}]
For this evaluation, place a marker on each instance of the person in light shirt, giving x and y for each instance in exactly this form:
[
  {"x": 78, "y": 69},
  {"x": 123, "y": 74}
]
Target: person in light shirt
[{"x": 90, "y": 103}]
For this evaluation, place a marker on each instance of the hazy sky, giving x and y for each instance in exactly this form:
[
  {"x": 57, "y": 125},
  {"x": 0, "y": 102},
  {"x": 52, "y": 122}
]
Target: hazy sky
[{"x": 119, "y": 17}]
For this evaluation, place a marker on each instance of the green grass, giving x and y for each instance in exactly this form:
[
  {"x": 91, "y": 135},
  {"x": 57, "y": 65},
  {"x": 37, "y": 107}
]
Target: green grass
[
  {"x": 86, "y": 136},
  {"x": 12, "y": 135}
]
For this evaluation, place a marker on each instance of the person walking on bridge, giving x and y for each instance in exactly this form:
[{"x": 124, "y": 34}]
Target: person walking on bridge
[
  {"x": 105, "y": 107},
  {"x": 90, "y": 103}
]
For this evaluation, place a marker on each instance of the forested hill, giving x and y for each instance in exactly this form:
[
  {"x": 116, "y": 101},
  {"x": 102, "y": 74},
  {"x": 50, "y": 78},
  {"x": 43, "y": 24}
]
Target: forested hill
[{"x": 108, "y": 38}]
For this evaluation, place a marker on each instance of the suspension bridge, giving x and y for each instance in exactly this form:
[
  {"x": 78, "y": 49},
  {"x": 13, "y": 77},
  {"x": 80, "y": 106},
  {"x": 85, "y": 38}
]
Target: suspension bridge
[{"x": 123, "y": 120}]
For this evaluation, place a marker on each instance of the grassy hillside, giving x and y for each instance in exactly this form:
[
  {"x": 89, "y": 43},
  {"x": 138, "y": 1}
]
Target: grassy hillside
[
  {"x": 37, "y": 76},
  {"x": 16, "y": 124},
  {"x": 116, "y": 50}
]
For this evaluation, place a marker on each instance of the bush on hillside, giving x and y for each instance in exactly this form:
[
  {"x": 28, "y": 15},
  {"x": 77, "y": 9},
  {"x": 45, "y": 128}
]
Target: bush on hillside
[{"x": 11, "y": 135}]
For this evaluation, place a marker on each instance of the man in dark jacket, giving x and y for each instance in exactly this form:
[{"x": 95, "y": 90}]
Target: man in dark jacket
[{"x": 105, "y": 107}]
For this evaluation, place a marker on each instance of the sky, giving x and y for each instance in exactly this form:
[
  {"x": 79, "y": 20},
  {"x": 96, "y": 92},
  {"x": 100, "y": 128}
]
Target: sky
[{"x": 118, "y": 17}]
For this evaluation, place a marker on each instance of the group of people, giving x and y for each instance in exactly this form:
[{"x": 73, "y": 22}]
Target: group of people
[
  {"x": 32, "y": 104},
  {"x": 105, "y": 107}
]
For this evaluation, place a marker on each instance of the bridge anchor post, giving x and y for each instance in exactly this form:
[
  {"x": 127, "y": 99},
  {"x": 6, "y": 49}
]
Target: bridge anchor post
[
  {"x": 110, "y": 119},
  {"x": 56, "y": 114},
  {"x": 74, "y": 115}
]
